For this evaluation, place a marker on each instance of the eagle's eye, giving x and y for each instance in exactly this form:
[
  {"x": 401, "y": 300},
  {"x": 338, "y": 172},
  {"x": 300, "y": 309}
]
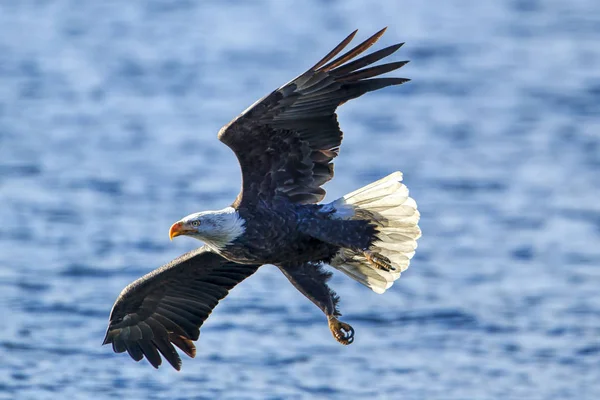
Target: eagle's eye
[{"x": 195, "y": 223}]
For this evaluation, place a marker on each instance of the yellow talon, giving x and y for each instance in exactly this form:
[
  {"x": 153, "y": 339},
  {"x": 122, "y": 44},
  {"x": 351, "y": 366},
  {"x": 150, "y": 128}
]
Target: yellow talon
[
  {"x": 379, "y": 261},
  {"x": 341, "y": 331}
]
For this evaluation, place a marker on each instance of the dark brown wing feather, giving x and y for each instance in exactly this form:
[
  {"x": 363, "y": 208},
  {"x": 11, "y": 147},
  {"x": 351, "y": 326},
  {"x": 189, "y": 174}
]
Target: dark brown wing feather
[
  {"x": 169, "y": 305},
  {"x": 286, "y": 141}
]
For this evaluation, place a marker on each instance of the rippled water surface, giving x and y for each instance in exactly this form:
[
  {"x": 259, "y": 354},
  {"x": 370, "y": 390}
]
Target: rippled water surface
[{"x": 108, "y": 121}]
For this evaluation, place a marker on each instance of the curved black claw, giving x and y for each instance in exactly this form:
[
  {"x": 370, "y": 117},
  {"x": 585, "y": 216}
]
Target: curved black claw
[{"x": 341, "y": 331}]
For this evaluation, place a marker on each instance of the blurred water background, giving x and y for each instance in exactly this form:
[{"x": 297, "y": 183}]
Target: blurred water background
[{"x": 108, "y": 119}]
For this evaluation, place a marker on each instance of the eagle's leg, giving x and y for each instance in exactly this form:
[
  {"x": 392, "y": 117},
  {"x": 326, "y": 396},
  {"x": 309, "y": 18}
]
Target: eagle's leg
[
  {"x": 378, "y": 261},
  {"x": 311, "y": 280},
  {"x": 356, "y": 235}
]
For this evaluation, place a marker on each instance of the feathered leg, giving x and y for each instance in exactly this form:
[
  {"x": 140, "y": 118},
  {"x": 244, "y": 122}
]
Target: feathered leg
[
  {"x": 357, "y": 235},
  {"x": 311, "y": 280}
]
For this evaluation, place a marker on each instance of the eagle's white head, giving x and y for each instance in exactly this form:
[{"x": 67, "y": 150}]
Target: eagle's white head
[{"x": 215, "y": 228}]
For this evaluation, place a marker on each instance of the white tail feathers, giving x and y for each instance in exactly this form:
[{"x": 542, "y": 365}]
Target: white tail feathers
[{"x": 387, "y": 204}]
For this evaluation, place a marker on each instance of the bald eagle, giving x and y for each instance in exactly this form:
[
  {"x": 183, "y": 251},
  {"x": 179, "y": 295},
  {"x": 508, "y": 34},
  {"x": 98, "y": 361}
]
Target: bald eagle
[{"x": 285, "y": 144}]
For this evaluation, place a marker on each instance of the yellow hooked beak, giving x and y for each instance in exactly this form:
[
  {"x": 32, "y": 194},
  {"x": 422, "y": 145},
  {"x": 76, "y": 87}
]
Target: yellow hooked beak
[{"x": 177, "y": 229}]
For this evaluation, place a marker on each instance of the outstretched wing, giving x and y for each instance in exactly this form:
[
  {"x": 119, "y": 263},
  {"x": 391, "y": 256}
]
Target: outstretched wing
[
  {"x": 285, "y": 142},
  {"x": 169, "y": 305}
]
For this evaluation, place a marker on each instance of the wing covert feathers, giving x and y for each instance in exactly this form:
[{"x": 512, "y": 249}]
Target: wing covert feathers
[{"x": 286, "y": 142}]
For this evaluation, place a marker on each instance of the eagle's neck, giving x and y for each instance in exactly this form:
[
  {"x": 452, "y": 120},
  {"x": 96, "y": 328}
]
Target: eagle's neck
[{"x": 222, "y": 227}]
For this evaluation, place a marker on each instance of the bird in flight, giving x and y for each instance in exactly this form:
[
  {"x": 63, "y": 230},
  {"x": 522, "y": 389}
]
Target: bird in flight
[{"x": 285, "y": 144}]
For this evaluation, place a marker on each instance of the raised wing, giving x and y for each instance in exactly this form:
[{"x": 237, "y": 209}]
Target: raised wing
[
  {"x": 286, "y": 141},
  {"x": 169, "y": 305}
]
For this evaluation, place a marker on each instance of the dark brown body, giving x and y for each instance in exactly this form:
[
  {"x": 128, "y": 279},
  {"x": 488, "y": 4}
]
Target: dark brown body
[{"x": 281, "y": 232}]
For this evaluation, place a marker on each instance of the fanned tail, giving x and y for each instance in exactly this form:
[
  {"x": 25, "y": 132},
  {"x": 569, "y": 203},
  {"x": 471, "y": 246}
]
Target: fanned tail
[{"x": 386, "y": 204}]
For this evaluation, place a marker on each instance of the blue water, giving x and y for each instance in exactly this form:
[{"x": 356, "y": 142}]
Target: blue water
[{"x": 108, "y": 121}]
